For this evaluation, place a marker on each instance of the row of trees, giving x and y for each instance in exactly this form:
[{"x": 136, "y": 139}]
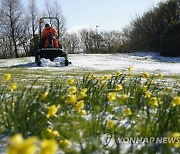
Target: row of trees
[
  {"x": 19, "y": 25},
  {"x": 156, "y": 30},
  {"x": 91, "y": 41}
]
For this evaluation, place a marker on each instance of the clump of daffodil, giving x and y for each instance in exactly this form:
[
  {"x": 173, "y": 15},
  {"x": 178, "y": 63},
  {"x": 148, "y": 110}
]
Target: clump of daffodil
[
  {"x": 81, "y": 112},
  {"x": 127, "y": 111},
  {"x": 82, "y": 94},
  {"x": 70, "y": 81},
  {"x": 7, "y": 77},
  {"x": 72, "y": 90},
  {"x": 52, "y": 110},
  {"x": 153, "y": 101},
  {"x": 174, "y": 136},
  {"x": 118, "y": 87},
  {"x": 111, "y": 124},
  {"x": 64, "y": 143},
  {"x": 52, "y": 133},
  {"x": 18, "y": 145},
  {"x": 167, "y": 89},
  {"x": 44, "y": 95},
  {"x": 144, "y": 88},
  {"x": 145, "y": 75},
  {"x": 48, "y": 147},
  {"x": 111, "y": 96},
  {"x": 175, "y": 101},
  {"x": 147, "y": 94},
  {"x": 71, "y": 99},
  {"x": 123, "y": 97},
  {"x": 13, "y": 86},
  {"x": 79, "y": 105}
]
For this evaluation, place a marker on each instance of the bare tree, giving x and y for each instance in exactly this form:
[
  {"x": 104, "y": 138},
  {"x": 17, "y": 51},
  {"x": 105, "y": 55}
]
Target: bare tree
[
  {"x": 112, "y": 41},
  {"x": 33, "y": 26},
  {"x": 11, "y": 10},
  {"x": 71, "y": 43},
  {"x": 33, "y": 11},
  {"x": 86, "y": 42},
  {"x": 53, "y": 8}
]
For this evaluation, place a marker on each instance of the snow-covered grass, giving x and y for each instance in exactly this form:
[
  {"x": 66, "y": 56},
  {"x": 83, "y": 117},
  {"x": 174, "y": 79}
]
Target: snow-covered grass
[
  {"x": 82, "y": 64},
  {"x": 140, "y": 62}
]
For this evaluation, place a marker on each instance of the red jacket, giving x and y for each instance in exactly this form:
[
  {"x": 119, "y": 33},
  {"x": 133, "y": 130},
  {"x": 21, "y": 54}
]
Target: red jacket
[{"x": 46, "y": 32}]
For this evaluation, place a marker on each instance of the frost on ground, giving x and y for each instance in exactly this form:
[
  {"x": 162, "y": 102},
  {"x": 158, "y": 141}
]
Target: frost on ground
[{"x": 139, "y": 61}]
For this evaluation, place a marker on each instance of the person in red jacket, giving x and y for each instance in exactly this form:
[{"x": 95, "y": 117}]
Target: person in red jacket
[{"x": 49, "y": 35}]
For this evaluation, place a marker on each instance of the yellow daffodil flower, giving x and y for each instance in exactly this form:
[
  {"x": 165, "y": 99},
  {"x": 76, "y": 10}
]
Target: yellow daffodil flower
[
  {"x": 53, "y": 133},
  {"x": 79, "y": 105},
  {"x": 111, "y": 124},
  {"x": 81, "y": 112},
  {"x": 118, "y": 87},
  {"x": 127, "y": 112},
  {"x": 175, "y": 101},
  {"x": 71, "y": 99},
  {"x": 7, "y": 77},
  {"x": 174, "y": 136},
  {"x": 145, "y": 75},
  {"x": 64, "y": 143},
  {"x": 167, "y": 89},
  {"x": 129, "y": 68},
  {"x": 144, "y": 88},
  {"x": 111, "y": 96},
  {"x": 72, "y": 90},
  {"x": 17, "y": 145},
  {"x": 48, "y": 147},
  {"x": 84, "y": 90},
  {"x": 44, "y": 96},
  {"x": 13, "y": 86},
  {"x": 154, "y": 101},
  {"x": 51, "y": 110},
  {"x": 70, "y": 81},
  {"x": 152, "y": 82},
  {"x": 123, "y": 97},
  {"x": 81, "y": 95},
  {"x": 118, "y": 73},
  {"x": 107, "y": 77},
  {"x": 160, "y": 76},
  {"x": 147, "y": 94}
]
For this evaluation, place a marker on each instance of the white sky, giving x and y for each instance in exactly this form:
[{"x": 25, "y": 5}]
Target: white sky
[{"x": 107, "y": 14}]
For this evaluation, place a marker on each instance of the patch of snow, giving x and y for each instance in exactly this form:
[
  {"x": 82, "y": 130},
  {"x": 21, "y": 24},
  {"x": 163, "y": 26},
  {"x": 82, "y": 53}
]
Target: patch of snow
[
  {"x": 58, "y": 62},
  {"x": 140, "y": 62},
  {"x": 155, "y": 56}
]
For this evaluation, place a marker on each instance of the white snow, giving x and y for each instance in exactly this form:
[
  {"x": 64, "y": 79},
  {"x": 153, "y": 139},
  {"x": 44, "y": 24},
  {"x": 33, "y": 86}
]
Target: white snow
[
  {"x": 140, "y": 62},
  {"x": 58, "y": 62}
]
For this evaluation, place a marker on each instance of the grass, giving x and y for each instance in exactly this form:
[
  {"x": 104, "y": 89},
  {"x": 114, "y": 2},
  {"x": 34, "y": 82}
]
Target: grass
[{"x": 77, "y": 108}]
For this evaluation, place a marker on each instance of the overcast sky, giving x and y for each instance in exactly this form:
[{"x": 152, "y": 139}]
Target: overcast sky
[{"x": 107, "y": 14}]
